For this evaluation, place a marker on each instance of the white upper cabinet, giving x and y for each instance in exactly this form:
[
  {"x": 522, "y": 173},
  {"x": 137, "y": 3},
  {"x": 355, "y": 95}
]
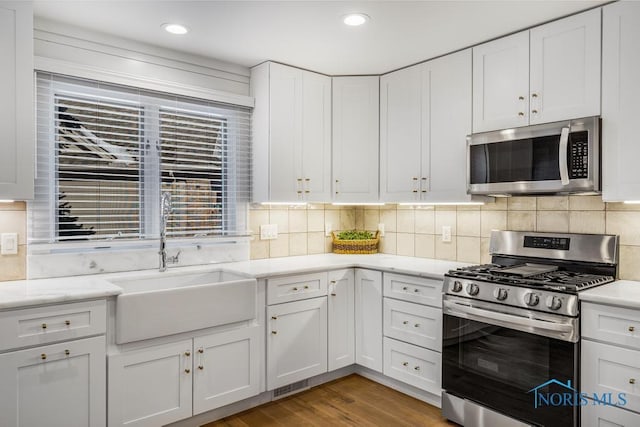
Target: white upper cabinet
[
  {"x": 403, "y": 149},
  {"x": 549, "y": 73},
  {"x": 501, "y": 83},
  {"x": 425, "y": 113},
  {"x": 620, "y": 106},
  {"x": 291, "y": 134},
  {"x": 355, "y": 139},
  {"x": 16, "y": 103},
  {"x": 565, "y": 68},
  {"x": 449, "y": 122}
]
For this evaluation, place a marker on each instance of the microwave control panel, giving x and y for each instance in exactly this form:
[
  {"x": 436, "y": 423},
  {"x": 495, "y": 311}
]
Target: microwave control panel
[{"x": 578, "y": 155}]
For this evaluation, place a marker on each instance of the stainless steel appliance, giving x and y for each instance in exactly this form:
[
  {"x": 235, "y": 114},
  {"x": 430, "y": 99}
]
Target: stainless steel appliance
[
  {"x": 554, "y": 158},
  {"x": 511, "y": 328}
]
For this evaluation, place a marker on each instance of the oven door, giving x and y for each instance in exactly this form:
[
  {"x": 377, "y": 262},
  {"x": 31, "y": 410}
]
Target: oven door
[
  {"x": 551, "y": 158},
  {"x": 500, "y": 364}
]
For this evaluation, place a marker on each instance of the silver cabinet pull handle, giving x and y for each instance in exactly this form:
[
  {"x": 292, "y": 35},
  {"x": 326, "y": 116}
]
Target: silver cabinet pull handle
[
  {"x": 417, "y": 368},
  {"x": 67, "y": 322},
  {"x": 43, "y": 356},
  {"x": 274, "y": 332},
  {"x": 406, "y": 322},
  {"x": 405, "y": 363},
  {"x": 631, "y": 328},
  {"x": 417, "y": 325},
  {"x": 44, "y": 326},
  {"x": 67, "y": 352},
  {"x": 632, "y": 380}
]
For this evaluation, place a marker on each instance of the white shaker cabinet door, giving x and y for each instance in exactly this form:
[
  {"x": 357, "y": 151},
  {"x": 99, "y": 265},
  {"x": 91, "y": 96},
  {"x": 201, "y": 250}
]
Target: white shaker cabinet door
[
  {"x": 17, "y": 143},
  {"x": 285, "y": 133},
  {"x": 620, "y": 106},
  {"x": 342, "y": 339},
  {"x": 355, "y": 142},
  {"x": 296, "y": 341},
  {"x": 369, "y": 319},
  {"x": 226, "y": 368},
  {"x": 501, "y": 83},
  {"x": 152, "y": 386},
  {"x": 316, "y": 137},
  {"x": 58, "y": 385},
  {"x": 565, "y": 68},
  {"x": 401, "y": 136},
  {"x": 449, "y": 124}
]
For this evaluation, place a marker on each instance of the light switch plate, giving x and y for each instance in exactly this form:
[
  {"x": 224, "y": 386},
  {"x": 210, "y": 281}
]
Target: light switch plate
[
  {"x": 446, "y": 233},
  {"x": 268, "y": 231},
  {"x": 8, "y": 243}
]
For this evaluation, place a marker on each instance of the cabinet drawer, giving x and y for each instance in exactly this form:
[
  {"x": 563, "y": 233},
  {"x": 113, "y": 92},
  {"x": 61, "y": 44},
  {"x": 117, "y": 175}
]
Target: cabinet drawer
[
  {"x": 615, "y": 325},
  {"x": 610, "y": 369},
  {"x": 35, "y": 326},
  {"x": 413, "y": 289},
  {"x": 607, "y": 416},
  {"x": 413, "y": 365},
  {"x": 294, "y": 288},
  {"x": 413, "y": 323}
]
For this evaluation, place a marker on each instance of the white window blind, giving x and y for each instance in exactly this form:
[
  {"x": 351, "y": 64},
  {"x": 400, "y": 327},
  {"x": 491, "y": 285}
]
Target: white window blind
[{"x": 105, "y": 153}]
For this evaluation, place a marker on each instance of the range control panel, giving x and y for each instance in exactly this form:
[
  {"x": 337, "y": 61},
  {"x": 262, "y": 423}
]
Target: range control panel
[
  {"x": 578, "y": 155},
  {"x": 558, "y": 243}
]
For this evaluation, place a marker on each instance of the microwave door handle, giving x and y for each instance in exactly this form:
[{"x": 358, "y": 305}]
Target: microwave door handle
[{"x": 562, "y": 156}]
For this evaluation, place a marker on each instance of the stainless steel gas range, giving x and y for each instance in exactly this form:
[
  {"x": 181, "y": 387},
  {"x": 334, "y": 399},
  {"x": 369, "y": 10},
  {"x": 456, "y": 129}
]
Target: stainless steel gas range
[{"x": 511, "y": 329}]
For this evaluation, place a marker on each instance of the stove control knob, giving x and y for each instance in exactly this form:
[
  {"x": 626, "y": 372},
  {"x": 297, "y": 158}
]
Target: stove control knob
[
  {"x": 457, "y": 286},
  {"x": 554, "y": 303},
  {"x": 472, "y": 289},
  {"x": 531, "y": 299},
  {"x": 500, "y": 294}
]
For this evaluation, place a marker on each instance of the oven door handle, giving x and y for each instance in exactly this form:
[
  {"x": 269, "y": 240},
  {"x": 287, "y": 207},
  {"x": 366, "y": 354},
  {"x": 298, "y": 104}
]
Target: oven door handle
[
  {"x": 562, "y": 155},
  {"x": 541, "y": 327}
]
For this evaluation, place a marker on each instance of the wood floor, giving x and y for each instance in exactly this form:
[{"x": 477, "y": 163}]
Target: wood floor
[{"x": 348, "y": 401}]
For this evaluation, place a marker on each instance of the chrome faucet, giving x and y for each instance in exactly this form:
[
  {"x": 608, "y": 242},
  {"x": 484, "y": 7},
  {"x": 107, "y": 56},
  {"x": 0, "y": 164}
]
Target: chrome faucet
[{"x": 165, "y": 210}]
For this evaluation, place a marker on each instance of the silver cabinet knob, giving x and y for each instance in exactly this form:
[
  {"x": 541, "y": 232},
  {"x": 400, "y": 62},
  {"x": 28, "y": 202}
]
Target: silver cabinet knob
[
  {"x": 405, "y": 363},
  {"x": 631, "y": 328},
  {"x": 632, "y": 380},
  {"x": 534, "y": 111},
  {"x": 521, "y": 98},
  {"x": 520, "y": 113},
  {"x": 406, "y": 322},
  {"x": 534, "y": 95},
  {"x": 417, "y": 368},
  {"x": 274, "y": 332}
]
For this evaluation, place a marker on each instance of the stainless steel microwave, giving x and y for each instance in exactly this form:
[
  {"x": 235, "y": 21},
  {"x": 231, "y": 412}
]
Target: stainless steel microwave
[{"x": 553, "y": 158}]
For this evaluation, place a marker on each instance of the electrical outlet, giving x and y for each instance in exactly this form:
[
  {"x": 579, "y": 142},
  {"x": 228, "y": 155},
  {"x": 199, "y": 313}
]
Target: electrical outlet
[
  {"x": 327, "y": 230},
  {"x": 381, "y": 229},
  {"x": 9, "y": 243},
  {"x": 446, "y": 233},
  {"x": 268, "y": 231}
]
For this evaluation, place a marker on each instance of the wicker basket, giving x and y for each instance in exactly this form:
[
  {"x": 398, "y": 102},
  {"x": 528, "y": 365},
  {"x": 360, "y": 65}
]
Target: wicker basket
[{"x": 366, "y": 246}]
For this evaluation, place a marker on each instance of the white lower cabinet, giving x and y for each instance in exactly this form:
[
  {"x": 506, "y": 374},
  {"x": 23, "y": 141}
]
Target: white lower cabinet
[
  {"x": 296, "y": 341},
  {"x": 226, "y": 368},
  {"x": 611, "y": 369},
  {"x": 608, "y": 416},
  {"x": 57, "y": 385},
  {"x": 368, "y": 312},
  {"x": 413, "y": 365},
  {"x": 166, "y": 383},
  {"x": 413, "y": 330},
  {"x": 341, "y": 320},
  {"x": 413, "y": 323},
  {"x": 152, "y": 386},
  {"x": 610, "y": 364}
]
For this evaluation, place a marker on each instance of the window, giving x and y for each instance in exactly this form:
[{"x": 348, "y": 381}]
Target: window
[{"x": 106, "y": 153}]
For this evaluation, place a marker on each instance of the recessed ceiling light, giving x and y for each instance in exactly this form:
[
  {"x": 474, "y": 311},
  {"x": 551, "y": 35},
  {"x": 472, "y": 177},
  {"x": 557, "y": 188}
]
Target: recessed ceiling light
[
  {"x": 175, "y": 29},
  {"x": 355, "y": 19}
]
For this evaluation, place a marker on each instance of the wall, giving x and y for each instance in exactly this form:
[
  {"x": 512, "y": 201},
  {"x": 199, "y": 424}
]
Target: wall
[
  {"x": 13, "y": 219},
  {"x": 414, "y": 231}
]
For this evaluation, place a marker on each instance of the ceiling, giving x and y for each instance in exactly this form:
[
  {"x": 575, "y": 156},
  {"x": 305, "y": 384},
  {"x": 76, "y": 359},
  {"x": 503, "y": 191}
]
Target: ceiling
[{"x": 310, "y": 34}]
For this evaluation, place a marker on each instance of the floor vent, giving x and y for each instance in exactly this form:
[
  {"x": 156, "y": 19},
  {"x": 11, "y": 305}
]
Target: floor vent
[{"x": 290, "y": 389}]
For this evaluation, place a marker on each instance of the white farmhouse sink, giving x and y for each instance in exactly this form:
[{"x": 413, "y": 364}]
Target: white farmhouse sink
[{"x": 170, "y": 303}]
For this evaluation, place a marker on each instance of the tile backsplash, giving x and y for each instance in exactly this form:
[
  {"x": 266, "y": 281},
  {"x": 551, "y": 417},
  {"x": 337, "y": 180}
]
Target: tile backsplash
[
  {"x": 416, "y": 230},
  {"x": 13, "y": 219},
  {"x": 411, "y": 231}
]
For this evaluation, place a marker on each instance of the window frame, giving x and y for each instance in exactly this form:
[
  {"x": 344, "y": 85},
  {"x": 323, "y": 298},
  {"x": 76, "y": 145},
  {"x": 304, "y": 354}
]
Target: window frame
[{"x": 150, "y": 182}]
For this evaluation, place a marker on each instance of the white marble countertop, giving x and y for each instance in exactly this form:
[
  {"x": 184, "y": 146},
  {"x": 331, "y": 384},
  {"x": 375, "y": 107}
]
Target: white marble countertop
[
  {"x": 623, "y": 293},
  {"x": 23, "y": 293}
]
